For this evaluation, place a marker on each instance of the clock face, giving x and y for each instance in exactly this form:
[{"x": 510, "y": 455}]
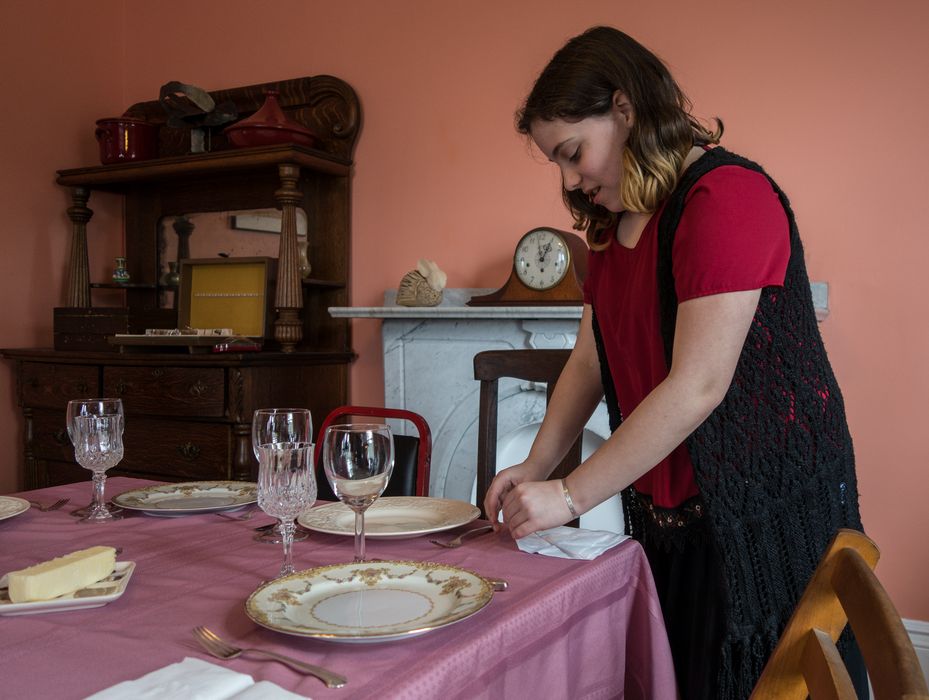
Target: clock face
[{"x": 541, "y": 259}]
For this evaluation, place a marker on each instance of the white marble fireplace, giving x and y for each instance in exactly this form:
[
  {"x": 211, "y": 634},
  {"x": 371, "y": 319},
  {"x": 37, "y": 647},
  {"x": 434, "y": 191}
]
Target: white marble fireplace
[{"x": 428, "y": 368}]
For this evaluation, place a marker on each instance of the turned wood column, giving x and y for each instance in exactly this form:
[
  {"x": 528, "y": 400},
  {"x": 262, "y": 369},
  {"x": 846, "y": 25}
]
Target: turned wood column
[
  {"x": 78, "y": 289},
  {"x": 243, "y": 459},
  {"x": 183, "y": 227},
  {"x": 288, "y": 296}
]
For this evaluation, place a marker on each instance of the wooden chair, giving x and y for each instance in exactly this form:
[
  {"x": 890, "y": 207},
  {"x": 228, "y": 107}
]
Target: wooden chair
[
  {"x": 527, "y": 365},
  {"x": 412, "y": 454},
  {"x": 843, "y": 589}
]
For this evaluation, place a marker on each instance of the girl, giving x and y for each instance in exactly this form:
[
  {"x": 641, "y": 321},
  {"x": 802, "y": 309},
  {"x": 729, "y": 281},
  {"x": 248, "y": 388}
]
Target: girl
[{"x": 730, "y": 445}]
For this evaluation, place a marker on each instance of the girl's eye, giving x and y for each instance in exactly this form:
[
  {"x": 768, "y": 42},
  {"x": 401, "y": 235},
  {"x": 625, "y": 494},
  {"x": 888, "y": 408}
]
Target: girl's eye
[{"x": 576, "y": 156}]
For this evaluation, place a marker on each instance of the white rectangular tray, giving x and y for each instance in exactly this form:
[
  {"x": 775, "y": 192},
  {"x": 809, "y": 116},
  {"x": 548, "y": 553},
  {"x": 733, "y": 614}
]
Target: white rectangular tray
[{"x": 93, "y": 596}]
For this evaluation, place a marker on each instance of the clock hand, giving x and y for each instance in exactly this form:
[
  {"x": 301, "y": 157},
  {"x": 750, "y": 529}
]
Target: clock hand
[{"x": 543, "y": 252}]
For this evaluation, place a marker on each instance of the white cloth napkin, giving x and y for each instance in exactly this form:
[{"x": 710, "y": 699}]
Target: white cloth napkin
[
  {"x": 570, "y": 542},
  {"x": 266, "y": 690},
  {"x": 194, "y": 679}
]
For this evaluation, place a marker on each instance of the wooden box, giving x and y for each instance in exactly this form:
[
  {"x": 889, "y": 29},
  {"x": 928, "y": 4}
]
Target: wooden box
[
  {"x": 236, "y": 293},
  {"x": 79, "y": 328}
]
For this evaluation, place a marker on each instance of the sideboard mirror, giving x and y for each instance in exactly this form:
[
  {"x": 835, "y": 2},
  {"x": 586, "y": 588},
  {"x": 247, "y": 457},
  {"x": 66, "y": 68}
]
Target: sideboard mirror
[{"x": 240, "y": 233}]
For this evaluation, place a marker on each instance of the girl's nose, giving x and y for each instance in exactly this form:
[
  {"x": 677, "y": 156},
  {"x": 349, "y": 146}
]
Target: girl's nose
[{"x": 571, "y": 178}]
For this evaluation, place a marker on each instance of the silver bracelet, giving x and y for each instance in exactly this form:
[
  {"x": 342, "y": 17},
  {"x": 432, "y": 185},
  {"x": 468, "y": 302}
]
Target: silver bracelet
[{"x": 567, "y": 498}]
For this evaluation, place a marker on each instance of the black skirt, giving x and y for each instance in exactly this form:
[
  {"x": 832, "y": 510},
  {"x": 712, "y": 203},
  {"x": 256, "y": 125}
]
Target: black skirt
[
  {"x": 688, "y": 572},
  {"x": 687, "y": 569}
]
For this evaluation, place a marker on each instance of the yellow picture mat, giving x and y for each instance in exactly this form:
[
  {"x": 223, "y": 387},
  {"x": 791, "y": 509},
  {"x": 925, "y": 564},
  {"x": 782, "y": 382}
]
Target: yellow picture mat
[{"x": 231, "y": 294}]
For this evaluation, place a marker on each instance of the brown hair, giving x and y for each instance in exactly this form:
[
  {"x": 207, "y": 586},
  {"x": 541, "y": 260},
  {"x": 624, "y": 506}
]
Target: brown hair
[{"x": 580, "y": 82}]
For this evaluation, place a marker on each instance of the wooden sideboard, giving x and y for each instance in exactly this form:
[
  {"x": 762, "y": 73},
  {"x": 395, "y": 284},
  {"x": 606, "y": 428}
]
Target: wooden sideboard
[{"x": 188, "y": 417}]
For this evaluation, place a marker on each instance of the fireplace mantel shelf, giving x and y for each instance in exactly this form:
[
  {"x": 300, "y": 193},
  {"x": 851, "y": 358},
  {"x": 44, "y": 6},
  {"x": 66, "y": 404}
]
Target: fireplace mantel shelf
[
  {"x": 467, "y": 312},
  {"x": 454, "y": 306}
]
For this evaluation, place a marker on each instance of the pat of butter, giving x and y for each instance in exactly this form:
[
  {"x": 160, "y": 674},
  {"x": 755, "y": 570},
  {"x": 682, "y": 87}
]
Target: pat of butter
[{"x": 62, "y": 575}]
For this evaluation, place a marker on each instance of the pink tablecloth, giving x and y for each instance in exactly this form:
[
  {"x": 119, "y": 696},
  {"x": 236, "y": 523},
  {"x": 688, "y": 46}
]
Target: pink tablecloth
[{"x": 564, "y": 629}]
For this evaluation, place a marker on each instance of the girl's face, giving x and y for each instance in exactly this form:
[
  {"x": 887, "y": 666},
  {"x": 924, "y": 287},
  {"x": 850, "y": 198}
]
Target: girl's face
[{"x": 590, "y": 151}]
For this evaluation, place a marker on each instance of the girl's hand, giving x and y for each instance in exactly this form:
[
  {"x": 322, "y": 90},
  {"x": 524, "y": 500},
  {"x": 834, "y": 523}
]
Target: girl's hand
[
  {"x": 502, "y": 484},
  {"x": 534, "y": 505}
]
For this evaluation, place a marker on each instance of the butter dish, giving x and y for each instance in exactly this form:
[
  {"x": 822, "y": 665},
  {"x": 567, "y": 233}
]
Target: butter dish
[{"x": 93, "y": 596}]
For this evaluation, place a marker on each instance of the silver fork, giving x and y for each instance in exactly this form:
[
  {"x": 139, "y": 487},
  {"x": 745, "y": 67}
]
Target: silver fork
[
  {"x": 247, "y": 515},
  {"x": 45, "y": 507},
  {"x": 457, "y": 542},
  {"x": 221, "y": 649}
]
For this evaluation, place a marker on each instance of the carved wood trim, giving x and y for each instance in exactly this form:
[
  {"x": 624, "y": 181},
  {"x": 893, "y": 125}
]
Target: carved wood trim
[
  {"x": 237, "y": 396},
  {"x": 323, "y": 103}
]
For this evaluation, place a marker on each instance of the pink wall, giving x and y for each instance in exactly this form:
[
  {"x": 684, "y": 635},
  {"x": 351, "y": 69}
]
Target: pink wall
[{"x": 831, "y": 102}]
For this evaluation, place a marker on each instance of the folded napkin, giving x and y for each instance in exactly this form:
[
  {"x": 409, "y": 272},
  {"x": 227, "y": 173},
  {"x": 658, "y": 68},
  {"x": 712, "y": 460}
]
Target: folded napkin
[
  {"x": 266, "y": 690},
  {"x": 194, "y": 679},
  {"x": 570, "y": 542}
]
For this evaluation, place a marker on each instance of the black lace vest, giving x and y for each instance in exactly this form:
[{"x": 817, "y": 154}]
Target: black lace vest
[{"x": 773, "y": 462}]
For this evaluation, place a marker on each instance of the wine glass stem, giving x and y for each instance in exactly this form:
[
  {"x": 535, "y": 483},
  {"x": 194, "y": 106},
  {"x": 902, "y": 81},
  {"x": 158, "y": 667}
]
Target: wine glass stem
[
  {"x": 287, "y": 536},
  {"x": 99, "y": 482},
  {"x": 359, "y": 535}
]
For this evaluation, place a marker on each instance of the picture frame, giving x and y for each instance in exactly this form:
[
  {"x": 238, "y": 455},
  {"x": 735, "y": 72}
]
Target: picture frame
[{"x": 236, "y": 293}]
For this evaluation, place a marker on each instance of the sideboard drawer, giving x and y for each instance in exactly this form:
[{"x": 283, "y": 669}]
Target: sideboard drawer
[
  {"x": 52, "y": 386},
  {"x": 179, "y": 449},
  {"x": 174, "y": 391},
  {"x": 50, "y": 436},
  {"x": 57, "y": 473}
]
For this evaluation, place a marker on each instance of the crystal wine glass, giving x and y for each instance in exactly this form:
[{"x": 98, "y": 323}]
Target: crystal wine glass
[
  {"x": 95, "y": 427},
  {"x": 276, "y": 425},
  {"x": 358, "y": 459},
  {"x": 286, "y": 487}
]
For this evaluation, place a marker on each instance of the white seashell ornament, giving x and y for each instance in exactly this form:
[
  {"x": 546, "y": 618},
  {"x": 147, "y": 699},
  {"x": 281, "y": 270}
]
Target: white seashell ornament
[{"x": 422, "y": 286}]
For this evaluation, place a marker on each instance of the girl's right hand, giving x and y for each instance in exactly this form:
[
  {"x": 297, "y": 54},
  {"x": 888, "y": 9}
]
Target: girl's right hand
[{"x": 503, "y": 482}]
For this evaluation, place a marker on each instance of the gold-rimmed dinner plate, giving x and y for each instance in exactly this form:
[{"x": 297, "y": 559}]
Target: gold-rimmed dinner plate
[
  {"x": 189, "y": 498},
  {"x": 392, "y": 517},
  {"x": 373, "y": 601},
  {"x": 11, "y": 506},
  {"x": 93, "y": 596}
]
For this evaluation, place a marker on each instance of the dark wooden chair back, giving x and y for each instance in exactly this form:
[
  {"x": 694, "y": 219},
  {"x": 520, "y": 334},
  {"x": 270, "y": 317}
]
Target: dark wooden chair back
[
  {"x": 412, "y": 453},
  {"x": 527, "y": 365},
  {"x": 843, "y": 589}
]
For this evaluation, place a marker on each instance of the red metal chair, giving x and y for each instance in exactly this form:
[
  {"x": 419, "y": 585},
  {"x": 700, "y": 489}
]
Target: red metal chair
[{"x": 412, "y": 454}]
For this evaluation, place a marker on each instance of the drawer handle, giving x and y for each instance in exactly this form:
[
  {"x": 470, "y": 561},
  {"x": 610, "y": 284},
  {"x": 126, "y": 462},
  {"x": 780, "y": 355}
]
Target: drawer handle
[
  {"x": 189, "y": 451},
  {"x": 61, "y": 436},
  {"x": 121, "y": 387},
  {"x": 82, "y": 388},
  {"x": 158, "y": 372},
  {"x": 198, "y": 388}
]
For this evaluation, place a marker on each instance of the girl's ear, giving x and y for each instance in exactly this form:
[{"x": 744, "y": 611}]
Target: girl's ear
[{"x": 622, "y": 107}]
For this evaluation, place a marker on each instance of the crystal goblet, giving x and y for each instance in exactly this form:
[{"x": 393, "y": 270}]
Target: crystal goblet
[
  {"x": 277, "y": 425},
  {"x": 95, "y": 427},
  {"x": 286, "y": 487}
]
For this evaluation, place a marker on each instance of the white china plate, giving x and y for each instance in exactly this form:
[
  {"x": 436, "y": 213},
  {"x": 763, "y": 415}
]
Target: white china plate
[
  {"x": 373, "y": 601},
  {"x": 92, "y": 596},
  {"x": 189, "y": 498},
  {"x": 392, "y": 517},
  {"x": 11, "y": 506}
]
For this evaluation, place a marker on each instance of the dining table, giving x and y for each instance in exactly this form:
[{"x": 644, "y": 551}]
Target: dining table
[{"x": 563, "y": 628}]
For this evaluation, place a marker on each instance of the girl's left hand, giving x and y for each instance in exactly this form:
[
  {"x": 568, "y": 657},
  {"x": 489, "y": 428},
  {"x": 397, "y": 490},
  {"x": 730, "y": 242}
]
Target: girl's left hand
[{"x": 535, "y": 505}]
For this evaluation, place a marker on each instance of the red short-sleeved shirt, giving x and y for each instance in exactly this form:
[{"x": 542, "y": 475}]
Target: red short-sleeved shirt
[{"x": 733, "y": 236}]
